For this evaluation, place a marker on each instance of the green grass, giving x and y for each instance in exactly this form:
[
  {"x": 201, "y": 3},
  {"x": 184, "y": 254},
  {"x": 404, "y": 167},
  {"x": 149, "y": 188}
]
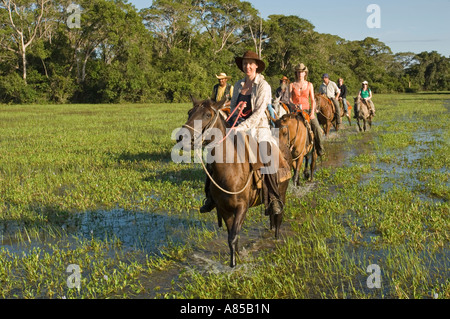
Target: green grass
[{"x": 386, "y": 204}]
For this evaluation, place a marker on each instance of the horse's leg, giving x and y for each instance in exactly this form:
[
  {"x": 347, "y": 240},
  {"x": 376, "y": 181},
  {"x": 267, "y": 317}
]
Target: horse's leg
[
  {"x": 278, "y": 218},
  {"x": 305, "y": 170},
  {"x": 233, "y": 235},
  {"x": 219, "y": 219},
  {"x": 359, "y": 125},
  {"x": 229, "y": 221},
  {"x": 299, "y": 165},
  {"x": 296, "y": 165},
  {"x": 313, "y": 164}
]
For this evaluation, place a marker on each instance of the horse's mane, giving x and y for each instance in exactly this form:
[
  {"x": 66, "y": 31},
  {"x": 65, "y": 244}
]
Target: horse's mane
[{"x": 288, "y": 116}]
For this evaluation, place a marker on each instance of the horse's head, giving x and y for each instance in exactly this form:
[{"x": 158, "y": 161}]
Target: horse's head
[
  {"x": 203, "y": 115},
  {"x": 321, "y": 100},
  {"x": 286, "y": 126},
  {"x": 276, "y": 102}
]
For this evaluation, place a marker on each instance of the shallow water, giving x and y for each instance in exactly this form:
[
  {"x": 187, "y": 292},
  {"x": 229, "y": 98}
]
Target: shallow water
[{"x": 149, "y": 232}]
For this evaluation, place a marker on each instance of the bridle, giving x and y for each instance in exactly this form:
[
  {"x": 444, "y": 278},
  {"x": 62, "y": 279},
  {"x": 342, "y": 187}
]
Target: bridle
[
  {"x": 210, "y": 124},
  {"x": 320, "y": 108},
  {"x": 291, "y": 145}
]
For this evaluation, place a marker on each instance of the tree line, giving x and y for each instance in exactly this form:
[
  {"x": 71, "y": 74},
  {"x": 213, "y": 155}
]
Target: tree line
[{"x": 116, "y": 53}]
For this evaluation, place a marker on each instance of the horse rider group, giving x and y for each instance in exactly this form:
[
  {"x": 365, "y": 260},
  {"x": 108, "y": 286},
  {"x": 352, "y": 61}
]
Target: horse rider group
[{"x": 255, "y": 93}]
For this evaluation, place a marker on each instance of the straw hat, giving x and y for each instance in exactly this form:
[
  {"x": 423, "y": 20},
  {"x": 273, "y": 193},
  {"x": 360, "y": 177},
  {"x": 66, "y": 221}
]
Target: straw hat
[
  {"x": 284, "y": 78},
  {"x": 250, "y": 55},
  {"x": 223, "y": 76},
  {"x": 301, "y": 67}
]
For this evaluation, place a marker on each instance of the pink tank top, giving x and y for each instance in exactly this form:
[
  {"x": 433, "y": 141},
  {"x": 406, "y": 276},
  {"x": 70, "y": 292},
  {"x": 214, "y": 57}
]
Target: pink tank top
[{"x": 301, "y": 97}]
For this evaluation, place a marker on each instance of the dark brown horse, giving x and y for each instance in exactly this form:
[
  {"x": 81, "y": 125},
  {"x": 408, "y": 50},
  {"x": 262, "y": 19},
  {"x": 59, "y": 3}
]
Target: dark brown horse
[
  {"x": 234, "y": 187},
  {"x": 292, "y": 128},
  {"x": 326, "y": 115},
  {"x": 363, "y": 113}
]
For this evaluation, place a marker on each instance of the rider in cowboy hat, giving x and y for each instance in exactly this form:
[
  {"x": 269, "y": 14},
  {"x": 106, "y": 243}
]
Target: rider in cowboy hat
[
  {"x": 222, "y": 89},
  {"x": 302, "y": 91},
  {"x": 256, "y": 92}
]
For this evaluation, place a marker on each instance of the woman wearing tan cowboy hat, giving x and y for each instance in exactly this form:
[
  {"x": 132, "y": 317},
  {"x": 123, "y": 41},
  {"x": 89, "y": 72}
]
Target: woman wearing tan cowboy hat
[
  {"x": 222, "y": 89},
  {"x": 302, "y": 92},
  {"x": 254, "y": 90}
]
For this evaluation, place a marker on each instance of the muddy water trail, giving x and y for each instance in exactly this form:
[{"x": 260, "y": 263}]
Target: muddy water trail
[
  {"x": 256, "y": 237},
  {"x": 212, "y": 256}
]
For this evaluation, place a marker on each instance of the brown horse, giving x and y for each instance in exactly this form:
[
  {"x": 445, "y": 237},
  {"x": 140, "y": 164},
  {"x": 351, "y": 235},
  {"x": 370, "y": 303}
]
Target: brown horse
[
  {"x": 234, "y": 187},
  {"x": 326, "y": 115},
  {"x": 363, "y": 113},
  {"x": 293, "y": 130}
]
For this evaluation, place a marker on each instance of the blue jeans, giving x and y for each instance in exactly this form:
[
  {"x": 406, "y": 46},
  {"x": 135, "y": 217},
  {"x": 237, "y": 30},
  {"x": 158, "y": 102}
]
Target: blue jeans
[
  {"x": 272, "y": 113},
  {"x": 344, "y": 103}
]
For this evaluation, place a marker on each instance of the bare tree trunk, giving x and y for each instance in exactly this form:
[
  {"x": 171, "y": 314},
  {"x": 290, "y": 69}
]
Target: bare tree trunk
[
  {"x": 25, "y": 34},
  {"x": 260, "y": 38},
  {"x": 24, "y": 65}
]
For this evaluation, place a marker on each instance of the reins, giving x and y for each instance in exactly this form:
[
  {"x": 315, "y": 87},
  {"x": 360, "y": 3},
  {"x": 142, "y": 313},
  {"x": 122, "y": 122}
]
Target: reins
[{"x": 240, "y": 106}]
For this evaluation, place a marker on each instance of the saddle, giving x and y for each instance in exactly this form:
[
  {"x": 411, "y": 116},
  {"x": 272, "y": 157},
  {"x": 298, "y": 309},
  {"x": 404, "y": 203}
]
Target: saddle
[
  {"x": 283, "y": 172},
  {"x": 307, "y": 121},
  {"x": 285, "y": 107},
  {"x": 333, "y": 108}
]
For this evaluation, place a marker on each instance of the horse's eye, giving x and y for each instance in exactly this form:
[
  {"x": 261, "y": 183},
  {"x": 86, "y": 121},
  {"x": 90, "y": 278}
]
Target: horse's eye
[{"x": 208, "y": 115}]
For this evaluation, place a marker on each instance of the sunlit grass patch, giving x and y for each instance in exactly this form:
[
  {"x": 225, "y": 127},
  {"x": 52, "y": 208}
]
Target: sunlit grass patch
[{"x": 384, "y": 202}]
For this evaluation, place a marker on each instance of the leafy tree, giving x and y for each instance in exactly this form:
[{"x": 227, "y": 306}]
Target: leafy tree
[
  {"x": 172, "y": 49},
  {"x": 288, "y": 42},
  {"x": 432, "y": 71},
  {"x": 22, "y": 20}
]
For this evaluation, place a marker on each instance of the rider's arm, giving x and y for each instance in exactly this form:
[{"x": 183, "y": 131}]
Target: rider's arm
[
  {"x": 337, "y": 91},
  {"x": 313, "y": 100},
  {"x": 236, "y": 90},
  {"x": 261, "y": 100},
  {"x": 291, "y": 87}
]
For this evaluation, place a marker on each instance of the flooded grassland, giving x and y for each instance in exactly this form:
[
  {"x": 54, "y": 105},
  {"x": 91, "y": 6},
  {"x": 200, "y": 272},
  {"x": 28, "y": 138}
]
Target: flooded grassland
[{"x": 95, "y": 186}]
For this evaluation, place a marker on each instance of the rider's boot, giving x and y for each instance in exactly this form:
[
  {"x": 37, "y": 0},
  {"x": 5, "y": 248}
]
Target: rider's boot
[
  {"x": 272, "y": 202},
  {"x": 208, "y": 205},
  {"x": 208, "y": 202}
]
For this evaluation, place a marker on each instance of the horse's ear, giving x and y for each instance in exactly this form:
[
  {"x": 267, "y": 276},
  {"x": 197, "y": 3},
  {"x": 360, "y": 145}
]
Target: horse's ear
[
  {"x": 194, "y": 100},
  {"x": 220, "y": 104}
]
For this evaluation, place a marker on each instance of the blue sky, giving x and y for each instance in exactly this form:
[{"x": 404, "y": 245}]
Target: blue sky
[{"x": 405, "y": 25}]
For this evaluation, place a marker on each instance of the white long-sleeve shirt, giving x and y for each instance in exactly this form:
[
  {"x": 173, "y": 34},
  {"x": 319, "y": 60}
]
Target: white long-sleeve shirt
[{"x": 257, "y": 125}]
